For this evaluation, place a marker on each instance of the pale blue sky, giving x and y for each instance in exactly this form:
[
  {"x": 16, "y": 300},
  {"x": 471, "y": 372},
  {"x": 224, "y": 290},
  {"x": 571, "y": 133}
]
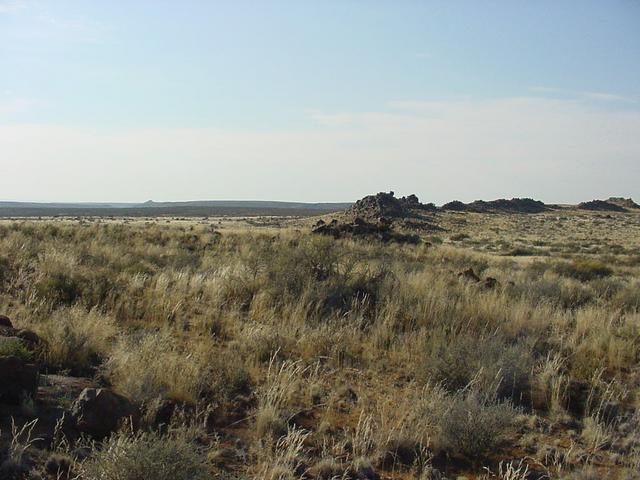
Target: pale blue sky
[{"x": 323, "y": 100}]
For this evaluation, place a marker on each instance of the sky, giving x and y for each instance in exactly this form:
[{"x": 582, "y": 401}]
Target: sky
[{"x": 325, "y": 100}]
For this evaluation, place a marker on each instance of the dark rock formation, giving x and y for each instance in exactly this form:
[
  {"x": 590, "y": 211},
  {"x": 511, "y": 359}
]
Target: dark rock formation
[
  {"x": 627, "y": 203},
  {"x": 382, "y": 231},
  {"x": 502, "y": 205},
  {"x": 387, "y": 205},
  {"x": 99, "y": 411},
  {"x": 18, "y": 380},
  {"x": 601, "y": 206},
  {"x": 469, "y": 274}
]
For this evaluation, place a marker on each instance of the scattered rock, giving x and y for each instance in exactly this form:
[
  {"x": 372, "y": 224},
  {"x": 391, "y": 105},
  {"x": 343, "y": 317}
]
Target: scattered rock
[
  {"x": 58, "y": 466},
  {"x": 361, "y": 228},
  {"x": 469, "y": 274},
  {"x": 326, "y": 469},
  {"x": 18, "y": 379},
  {"x": 399, "y": 452},
  {"x": 363, "y": 470},
  {"x": 577, "y": 395},
  {"x": 5, "y": 321},
  {"x": 100, "y": 411},
  {"x": 30, "y": 338},
  {"x": 490, "y": 283}
]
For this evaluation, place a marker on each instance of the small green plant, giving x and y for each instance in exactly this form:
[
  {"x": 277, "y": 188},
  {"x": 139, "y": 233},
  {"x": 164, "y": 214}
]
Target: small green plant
[{"x": 14, "y": 347}]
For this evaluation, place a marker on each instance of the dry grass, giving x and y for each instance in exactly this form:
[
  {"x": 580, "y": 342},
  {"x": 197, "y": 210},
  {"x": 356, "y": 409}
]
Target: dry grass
[{"x": 342, "y": 356}]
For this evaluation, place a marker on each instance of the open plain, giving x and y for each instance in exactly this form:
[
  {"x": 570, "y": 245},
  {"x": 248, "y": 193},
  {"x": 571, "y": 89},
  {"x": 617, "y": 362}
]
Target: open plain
[{"x": 490, "y": 345}]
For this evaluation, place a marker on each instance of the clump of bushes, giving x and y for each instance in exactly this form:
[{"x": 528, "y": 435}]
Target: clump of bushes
[
  {"x": 59, "y": 288},
  {"x": 489, "y": 362},
  {"x": 474, "y": 426},
  {"x": 176, "y": 455},
  {"x": 64, "y": 289},
  {"x": 77, "y": 340},
  {"x": 583, "y": 270}
]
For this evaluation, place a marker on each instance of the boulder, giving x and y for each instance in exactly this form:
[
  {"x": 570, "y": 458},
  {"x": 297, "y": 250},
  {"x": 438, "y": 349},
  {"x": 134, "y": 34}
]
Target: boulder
[
  {"x": 18, "y": 379},
  {"x": 469, "y": 274},
  {"x": 100, "y": 411},
  {"x": 30, "y": 338},
  {"x": 490, "y": 283},
  {"x": 5, "y": 321}
]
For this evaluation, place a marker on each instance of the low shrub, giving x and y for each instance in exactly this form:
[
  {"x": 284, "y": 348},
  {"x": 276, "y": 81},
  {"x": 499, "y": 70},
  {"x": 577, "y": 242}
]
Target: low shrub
[
  {"x": 583, "y": 270},
  {"x": 59, "y": 289},
  {"x": 473, "y": 426},
  {"x": 77, "y": 340},
  {"x": 148, "y": 455}
]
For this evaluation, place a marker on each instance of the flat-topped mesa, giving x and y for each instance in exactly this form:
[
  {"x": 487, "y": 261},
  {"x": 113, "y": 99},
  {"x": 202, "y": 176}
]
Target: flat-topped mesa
[{"x": 386, "y": 205}]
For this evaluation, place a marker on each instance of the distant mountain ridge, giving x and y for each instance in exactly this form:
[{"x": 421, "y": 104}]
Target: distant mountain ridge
[
  {"x": 190, "y": 203},
  {"x": 150, "y": 208}
]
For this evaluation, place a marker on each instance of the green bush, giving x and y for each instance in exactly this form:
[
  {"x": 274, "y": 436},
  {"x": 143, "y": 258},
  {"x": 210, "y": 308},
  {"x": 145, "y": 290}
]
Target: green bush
[
  {"x": 148, "y": 455},
  {"x": 473, "y": 426},
  {"x": 14, "y": 347}
]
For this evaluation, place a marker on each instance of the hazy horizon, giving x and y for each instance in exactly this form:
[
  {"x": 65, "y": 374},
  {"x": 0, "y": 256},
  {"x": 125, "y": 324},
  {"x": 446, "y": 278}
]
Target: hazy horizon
[{"x": 318, "y": 101}]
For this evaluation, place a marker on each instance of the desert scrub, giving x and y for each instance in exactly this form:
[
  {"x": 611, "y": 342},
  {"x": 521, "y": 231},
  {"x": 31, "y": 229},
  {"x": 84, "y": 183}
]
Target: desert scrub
[
  {"x": 473, "y": 425},
  {"x": 59, "y": 289},
  {"x": 77, "y": 340},
  {"x": 584, "y": 270},
  {"x": 276, "y": 395},
  {"x": 492, "y": 363},
  {"x": 160, "y": 365},
  {"x": 176, "y": 455}
]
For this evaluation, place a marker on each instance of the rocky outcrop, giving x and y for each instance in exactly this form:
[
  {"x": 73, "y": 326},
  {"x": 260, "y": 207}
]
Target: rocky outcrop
[
  {"x": 626, "y": 203},
  {"x": 502, "y": 205},
  {"x": 382, "y": 230},
  {"x": 28, "y": 337},
  {"x": 601, "y": 206},
  {"x": 489, "y": 283},
  {"x": 386, "y": 205},
  {"x": 100, "y": 411},
  {"x": 5, "y": 321},
  {"x": 18, "y": 380},
  {"x": 18, "y": 372}
]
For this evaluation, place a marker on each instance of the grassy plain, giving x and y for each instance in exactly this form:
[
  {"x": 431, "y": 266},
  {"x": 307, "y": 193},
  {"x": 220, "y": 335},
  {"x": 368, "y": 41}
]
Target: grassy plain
[{"x": 292, "y": 355}]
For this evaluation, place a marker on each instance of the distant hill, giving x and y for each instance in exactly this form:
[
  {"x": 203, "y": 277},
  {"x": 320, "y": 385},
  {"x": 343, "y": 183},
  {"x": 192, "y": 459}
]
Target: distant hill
[{"x": 151, "y": 208}]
